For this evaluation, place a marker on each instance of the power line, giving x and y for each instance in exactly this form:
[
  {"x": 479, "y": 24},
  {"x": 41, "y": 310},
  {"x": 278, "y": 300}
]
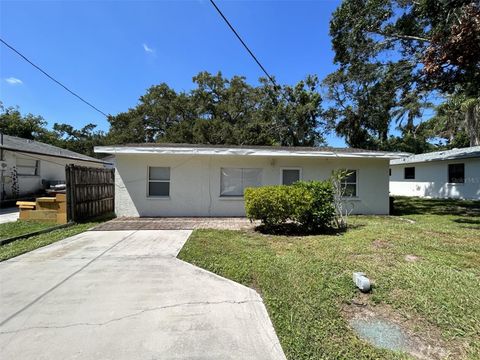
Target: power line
[
  {"x": 243, "y": 43},
  {"x": 51, "y": 77}
]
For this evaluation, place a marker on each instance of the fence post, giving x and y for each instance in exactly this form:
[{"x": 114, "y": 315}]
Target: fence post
[{"x": 69, "y": 177}]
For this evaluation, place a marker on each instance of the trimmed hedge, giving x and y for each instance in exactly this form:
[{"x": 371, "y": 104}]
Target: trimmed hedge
[{"x": 307, "y": 203}]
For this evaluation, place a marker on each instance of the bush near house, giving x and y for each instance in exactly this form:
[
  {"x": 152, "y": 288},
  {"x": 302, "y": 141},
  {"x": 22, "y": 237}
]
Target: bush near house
[{"x": 309, "y": 204}]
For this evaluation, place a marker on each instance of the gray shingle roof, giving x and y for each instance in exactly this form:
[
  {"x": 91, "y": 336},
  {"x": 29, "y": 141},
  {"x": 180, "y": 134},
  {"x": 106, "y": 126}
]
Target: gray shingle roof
[
  {"x": 14, "y": 143},
  {"x": 463, "y": 153}
]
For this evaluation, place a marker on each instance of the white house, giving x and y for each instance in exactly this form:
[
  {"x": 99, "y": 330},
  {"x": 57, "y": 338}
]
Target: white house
[
  {"x": 208, "y": 180},
  {"x": 35, "y": 164},
  {"x": 441, "y": 174}
]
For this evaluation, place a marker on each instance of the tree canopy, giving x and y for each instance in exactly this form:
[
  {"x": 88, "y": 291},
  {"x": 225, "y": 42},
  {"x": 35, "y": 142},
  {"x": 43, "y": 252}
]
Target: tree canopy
[
  {"x": 225, "y": 111},
  {"x": 393, "y": 55}
]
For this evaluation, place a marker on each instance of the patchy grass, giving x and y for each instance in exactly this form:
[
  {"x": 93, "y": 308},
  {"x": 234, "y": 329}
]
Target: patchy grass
[
  {"x": 21, "y": 246},
  {"x": 306, "y": 282},
  {"x": 21, "y": 227}
]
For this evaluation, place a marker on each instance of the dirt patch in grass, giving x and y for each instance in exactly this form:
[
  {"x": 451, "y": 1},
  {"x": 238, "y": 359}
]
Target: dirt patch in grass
[
  {"x": 381, "y": 244},
  {"x": 382, "y": 327},
  {"x": 412, "y": 258}
]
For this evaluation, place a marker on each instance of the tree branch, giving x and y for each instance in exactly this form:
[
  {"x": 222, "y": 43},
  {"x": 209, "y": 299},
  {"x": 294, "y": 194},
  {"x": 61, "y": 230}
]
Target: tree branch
[{"x": 401, "y": 36}]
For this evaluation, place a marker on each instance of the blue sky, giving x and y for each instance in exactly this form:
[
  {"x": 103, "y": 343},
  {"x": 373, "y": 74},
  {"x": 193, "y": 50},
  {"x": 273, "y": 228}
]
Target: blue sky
[{"x": 111, "y": 52}]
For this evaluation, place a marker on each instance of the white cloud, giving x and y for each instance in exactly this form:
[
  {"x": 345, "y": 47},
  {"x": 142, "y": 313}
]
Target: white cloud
[
  {"x": 148, "y": 49},
  {"x": 13, "y": 81}
]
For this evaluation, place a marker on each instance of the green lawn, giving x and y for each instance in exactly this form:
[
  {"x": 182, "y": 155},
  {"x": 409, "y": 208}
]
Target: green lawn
[
  {"x": 307, "y": 281},
  {"x": 21, "y": 246},
  {"x": 21, "y": 227}
]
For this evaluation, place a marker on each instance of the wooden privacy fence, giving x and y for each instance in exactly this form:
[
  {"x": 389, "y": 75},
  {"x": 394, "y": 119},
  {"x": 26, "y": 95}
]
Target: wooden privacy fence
[{"x": 90, "y": 192}]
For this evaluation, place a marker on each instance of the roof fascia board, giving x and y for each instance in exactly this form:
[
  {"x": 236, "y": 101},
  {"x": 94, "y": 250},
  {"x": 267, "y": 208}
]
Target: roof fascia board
[{"x": 243, "y": 152}]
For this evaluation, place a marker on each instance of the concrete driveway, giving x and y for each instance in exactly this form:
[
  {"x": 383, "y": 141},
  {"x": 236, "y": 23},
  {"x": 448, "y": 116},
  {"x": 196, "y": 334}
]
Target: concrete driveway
[
  {"x": 8, "y": 215},
  {"x": 124, "y": 295}
]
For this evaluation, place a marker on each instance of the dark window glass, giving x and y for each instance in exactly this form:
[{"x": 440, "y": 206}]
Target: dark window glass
[
  {"x": 290, "y": 176},
  {"x": 159, "y": 189},
  {"x": 456, "y": 173},
  {"x": 409, "y": 173}
]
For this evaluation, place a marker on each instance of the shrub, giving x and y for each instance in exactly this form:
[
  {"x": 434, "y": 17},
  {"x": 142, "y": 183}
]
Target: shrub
[
  {"x": 320, "y": 211},
  {"x": 309, "y": 204},
  {"x": 275, "y": 204}
]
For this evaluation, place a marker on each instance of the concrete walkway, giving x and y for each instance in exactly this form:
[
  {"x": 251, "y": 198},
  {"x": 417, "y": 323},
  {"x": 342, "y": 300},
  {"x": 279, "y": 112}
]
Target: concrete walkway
[
  {"x": 124, "y": 295},
  {"x": 8, "y": 215}
]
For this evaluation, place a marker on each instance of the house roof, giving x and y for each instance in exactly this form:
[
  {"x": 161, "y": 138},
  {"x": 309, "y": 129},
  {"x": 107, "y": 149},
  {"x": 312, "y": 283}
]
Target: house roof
[
  {"x": 246, "y": 150},
  {"x": 21, "y": 145},
  {"x": 463, "y": 153}
]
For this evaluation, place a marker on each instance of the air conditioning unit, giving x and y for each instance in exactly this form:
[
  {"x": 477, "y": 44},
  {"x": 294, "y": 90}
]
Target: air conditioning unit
[{"x": 3, "y": 165}]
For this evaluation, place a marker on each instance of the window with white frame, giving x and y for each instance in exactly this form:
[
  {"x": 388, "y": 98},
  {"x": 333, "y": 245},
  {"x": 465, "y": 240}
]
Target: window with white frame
[
  {"x": 350, "y": 183},
  {"x": 233, "y": 181},
  {"x": 158, "y": 181},
  {"x": 27, "y": 167},
  {"x": 290, "y": 176}
]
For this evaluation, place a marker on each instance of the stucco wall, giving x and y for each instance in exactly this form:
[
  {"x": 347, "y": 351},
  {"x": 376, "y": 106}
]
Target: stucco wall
[
  {"x": 431, "y": 180},
  {"x": 195, "y": 183},
  {"x": 50, "y": 168}
]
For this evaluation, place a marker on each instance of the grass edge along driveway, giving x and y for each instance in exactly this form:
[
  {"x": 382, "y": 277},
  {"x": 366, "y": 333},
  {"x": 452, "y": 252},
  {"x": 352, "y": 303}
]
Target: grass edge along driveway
[
  {"x": 306, "y": 281},
  {"x": 22, "y": 246}
]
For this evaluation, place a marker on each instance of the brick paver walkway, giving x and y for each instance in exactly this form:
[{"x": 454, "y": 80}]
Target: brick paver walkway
[{"x": 177, "y": 223}]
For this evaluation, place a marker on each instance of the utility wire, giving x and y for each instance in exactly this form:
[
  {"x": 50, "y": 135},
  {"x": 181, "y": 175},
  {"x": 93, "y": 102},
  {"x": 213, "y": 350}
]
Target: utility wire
[
  {"x": 243, "y": 43},
  {"x": 51, "y": 77}
]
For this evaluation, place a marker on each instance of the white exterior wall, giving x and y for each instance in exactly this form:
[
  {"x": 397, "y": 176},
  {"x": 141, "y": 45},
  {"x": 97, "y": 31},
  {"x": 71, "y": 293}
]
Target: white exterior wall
[
  {"x": 431, "y": 180},
  {"x": 50, "y": 168},
  {"x": 195, "y": 182}
]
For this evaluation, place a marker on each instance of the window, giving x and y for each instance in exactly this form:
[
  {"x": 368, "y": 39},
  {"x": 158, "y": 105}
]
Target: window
[
  {"x": 234, "y": 180},
  {"x": 349, "y": 183},
  {"x": 289, "y": 176},
  {"x": 409, "y": 173},
  {"x": 389, "y": 172},
  {"x": 456, "y": 173},
  {"x": 27, "y": 167},
  {"x": 159, "y": 181}
]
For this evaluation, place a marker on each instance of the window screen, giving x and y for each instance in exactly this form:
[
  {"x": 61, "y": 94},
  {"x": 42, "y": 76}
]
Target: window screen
[
  {"x": 349, "y": 183},
  {"x": 289, "y": 176},
  {"x": 158, "y": 181},
  {"x": 409, "y": 173},
  {"x": 456, "y": 173},
  {"x": 234, "y": 180},
  {"x": 27, "y": 167}
]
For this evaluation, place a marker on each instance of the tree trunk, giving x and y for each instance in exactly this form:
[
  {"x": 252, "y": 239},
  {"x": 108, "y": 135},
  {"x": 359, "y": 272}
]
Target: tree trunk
[{"x": 472, "y": 120}]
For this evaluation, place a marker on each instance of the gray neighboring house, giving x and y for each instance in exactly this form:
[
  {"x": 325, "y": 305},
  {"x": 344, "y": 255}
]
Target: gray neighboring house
[
  {"x": 27, "y": 166},
  {"x": 440, "y": 174}
]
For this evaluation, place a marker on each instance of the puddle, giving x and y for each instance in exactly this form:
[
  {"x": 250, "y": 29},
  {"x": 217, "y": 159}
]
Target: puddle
[
  {"x": 381, "y": 333},
  {"x": 382, "y": 327}
]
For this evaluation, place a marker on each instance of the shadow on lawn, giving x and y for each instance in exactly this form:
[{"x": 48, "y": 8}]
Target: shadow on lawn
[
  {"x": 471, "y": 223},
  {"x": 293, "y": 229},
  {"x": 413, "y": 205}
]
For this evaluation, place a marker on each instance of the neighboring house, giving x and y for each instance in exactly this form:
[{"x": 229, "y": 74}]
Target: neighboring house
[
  {"x": 441, "y": 174},
  {"x": 36, "y": 164},
  {"x": 209, "y": 180}
]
